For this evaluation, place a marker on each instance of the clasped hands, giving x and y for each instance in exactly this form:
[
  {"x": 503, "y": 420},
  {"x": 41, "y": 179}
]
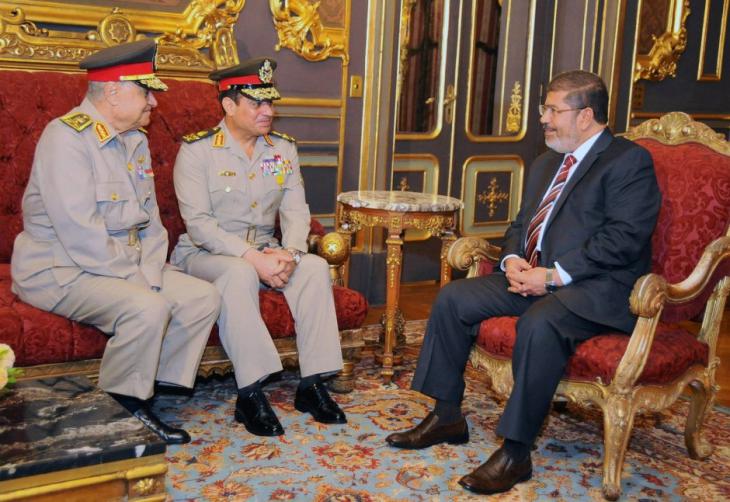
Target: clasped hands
[
  {"x": 274, "y": 266},
  {"x": 524, "y": 279}
]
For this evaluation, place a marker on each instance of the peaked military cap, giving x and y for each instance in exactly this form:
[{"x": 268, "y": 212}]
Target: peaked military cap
[
  {"x": 133, "y": 61},
  {"x": 253, "y": 78}
]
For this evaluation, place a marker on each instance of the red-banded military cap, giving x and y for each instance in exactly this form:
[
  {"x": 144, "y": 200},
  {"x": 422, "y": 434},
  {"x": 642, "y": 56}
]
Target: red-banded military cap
[
  {"x": 253, "y": 78},
  {"x": 133, "y": 61}
]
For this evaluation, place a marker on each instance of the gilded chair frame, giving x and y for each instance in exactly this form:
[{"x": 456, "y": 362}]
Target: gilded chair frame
[{"x": 622, "y": 398}]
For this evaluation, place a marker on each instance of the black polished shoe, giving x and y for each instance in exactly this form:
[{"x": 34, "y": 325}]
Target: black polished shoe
[
  {"x": 316, "y": 400},
  {"x": 255, "y": 413},
  {"x": 429, "y": 433},
  {"x": 498, "y": 474},
  {"x": 170, "y": 435}
]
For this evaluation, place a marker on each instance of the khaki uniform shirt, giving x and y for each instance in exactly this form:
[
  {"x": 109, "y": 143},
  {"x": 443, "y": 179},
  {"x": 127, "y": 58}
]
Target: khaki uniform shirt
[
  {"x": 89, "y": 206},
  {"x": 231, "y": 203}
]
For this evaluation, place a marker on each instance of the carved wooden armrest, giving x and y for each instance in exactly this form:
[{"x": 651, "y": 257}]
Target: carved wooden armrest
[
  {"x": 467, "y": 252},
  {"x": 334, "y": 247},
  {"x": 651, "y": 292}
]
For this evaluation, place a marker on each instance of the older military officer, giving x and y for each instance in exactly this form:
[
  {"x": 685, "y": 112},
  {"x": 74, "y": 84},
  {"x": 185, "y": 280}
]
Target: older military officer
[
  {"x": 231, "y": 182},
  {"x": 93, "y": 248}
]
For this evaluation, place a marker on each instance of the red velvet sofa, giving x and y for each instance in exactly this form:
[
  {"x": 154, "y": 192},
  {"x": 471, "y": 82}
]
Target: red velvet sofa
[{"x": 46, "y": 344}]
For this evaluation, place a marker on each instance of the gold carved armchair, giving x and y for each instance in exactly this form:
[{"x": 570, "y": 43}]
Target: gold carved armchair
[{"x": 649, "y": 370}]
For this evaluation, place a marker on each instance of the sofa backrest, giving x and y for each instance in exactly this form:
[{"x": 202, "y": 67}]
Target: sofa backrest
[{"x": 29, "y": 100}]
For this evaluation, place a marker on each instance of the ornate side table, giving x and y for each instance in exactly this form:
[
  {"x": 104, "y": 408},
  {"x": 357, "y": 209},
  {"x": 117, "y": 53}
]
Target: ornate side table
[{"x": 398, "y": 211}]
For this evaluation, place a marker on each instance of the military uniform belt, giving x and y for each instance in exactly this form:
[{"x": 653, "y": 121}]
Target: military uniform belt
[
  {"x": 250, "y": 235},
  {"x": 133, "y": 238}
]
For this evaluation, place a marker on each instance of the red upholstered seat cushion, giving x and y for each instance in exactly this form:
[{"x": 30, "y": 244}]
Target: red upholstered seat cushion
[
  {"x": 674, "y": 350},
  {"x": 39, "y": 337}
]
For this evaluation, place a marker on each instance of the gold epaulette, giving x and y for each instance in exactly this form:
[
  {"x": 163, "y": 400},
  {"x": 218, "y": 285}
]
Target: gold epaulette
[
  {"x": 193, "y": 137},
  {"x": 283, "y": 136},
  {"x": 77, "y": 121}
]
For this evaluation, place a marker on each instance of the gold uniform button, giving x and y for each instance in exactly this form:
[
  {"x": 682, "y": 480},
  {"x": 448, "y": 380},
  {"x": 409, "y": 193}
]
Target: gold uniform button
[
  {"x": 251, "y": 176},
  {"x": 130, "y": 167},
  {"x": 254, "y": 205},
  {"x": 228, "y": 189},
  {"x": 114, "y": 196}
]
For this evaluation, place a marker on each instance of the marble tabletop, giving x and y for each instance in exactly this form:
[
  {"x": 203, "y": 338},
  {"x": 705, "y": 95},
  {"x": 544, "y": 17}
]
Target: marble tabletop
[
  {"x": 395, "y": 200},
  {"x": 52, "y": 424}
]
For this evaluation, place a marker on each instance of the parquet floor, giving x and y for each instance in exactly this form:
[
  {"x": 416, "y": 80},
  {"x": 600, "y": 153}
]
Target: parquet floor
[{"x": 416, "y": 299}]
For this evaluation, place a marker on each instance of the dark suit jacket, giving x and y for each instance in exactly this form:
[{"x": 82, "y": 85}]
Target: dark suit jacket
[{"x": 600, "y": 228}]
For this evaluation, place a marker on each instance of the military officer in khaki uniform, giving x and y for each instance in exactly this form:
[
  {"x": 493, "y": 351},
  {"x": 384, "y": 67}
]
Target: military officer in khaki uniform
[
  {"x": 93, "y": 248},
  {"x": 231, "y": 183}
]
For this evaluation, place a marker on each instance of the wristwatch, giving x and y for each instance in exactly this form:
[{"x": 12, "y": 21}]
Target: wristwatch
[
  {"x": 550, "y": 285},
  {"x": 296, "y": 254}
]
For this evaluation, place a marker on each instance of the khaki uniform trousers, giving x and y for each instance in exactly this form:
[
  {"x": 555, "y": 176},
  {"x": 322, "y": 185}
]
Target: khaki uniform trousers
[
  {"x": 156, "y": 335},
  {"x": 242, "y": 330}
]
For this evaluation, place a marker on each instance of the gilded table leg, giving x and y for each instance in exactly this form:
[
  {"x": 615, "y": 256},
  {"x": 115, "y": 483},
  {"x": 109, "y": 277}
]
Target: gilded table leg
[
  {"x": 393, "y": 260},
  {"x": 447, "y": 239}
]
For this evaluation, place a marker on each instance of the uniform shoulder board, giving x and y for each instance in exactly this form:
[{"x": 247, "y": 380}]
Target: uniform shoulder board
[
  {"x": 77, "y": 121},
  {"x": 193, "y": 137},
  {"x": 283, "y": 136}
]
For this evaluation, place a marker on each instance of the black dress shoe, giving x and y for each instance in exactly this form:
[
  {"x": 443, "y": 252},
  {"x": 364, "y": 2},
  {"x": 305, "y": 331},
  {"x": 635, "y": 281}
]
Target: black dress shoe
[
  {"x": 428, "y": 433},
  {"x": 254, "y": 412},
  {"x": 316, "y": 400},
  {"x": 170, "y": 435},
  {"x": 498, "y": 474}
]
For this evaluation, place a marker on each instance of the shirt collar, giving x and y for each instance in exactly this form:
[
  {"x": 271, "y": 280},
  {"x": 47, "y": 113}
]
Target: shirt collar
[{"x": 583, "y": 149}]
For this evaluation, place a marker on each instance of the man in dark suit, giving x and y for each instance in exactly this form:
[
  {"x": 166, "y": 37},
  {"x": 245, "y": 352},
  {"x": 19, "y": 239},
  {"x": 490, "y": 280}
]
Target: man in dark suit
[{"x": 569, "y": 262}]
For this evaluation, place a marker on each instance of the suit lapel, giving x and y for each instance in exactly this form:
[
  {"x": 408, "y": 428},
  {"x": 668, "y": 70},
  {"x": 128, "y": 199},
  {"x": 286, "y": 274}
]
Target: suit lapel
[{"x": 593, "y": 154}]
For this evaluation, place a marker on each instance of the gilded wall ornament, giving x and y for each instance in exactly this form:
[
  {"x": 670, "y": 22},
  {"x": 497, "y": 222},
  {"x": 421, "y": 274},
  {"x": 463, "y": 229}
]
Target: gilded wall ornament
[
  {"x": 514, "y": 113},
  {"x": 299, "y": 28},
  {"x": 662, "y": 59},
  {"x": 203, "y": 24}
]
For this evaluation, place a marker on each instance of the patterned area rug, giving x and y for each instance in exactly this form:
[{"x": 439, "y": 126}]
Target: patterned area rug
[{"x": 353, "y": 463}]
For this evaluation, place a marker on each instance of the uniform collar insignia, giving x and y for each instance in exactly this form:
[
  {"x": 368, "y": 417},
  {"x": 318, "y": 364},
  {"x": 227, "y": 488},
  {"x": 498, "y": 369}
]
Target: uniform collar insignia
[
  {"x": 268, "y": 140},
  {"x": 219, "y": 140},
  {"x": 102, "y": 133}
]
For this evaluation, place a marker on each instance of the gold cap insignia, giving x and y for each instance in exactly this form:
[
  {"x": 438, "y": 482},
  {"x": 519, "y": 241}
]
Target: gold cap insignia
[{"x": 266, "y": 72}]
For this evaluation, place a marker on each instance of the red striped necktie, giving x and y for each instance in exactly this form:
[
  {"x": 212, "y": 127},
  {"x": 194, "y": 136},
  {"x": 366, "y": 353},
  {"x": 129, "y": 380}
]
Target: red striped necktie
[{"x": 537, "y": 222}]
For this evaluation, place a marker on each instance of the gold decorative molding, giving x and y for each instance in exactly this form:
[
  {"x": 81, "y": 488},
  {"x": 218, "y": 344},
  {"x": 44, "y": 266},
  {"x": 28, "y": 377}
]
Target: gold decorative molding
[
  {"x": 661, "y": 61},
  {"x": 677, "y": 127},
  {"x": 299, "y": 27},
  {"x": 183, "y": 36},
  {"x": 405, "y": 39},
  {"x": 514, "y": 113},
  {"x": 493, "y": 196}
]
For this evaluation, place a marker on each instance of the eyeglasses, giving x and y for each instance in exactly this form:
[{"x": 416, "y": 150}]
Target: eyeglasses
[{"x": 544, "y": 109}]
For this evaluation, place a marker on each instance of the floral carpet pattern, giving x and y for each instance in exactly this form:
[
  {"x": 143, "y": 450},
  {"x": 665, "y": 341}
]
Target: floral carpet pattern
[{"x": 352, "y": 462}]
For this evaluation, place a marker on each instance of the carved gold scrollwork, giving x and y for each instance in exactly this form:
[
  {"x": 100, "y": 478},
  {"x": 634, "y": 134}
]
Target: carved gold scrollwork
[
  {"x": 145, "y": 486},
  {"x": 405, "y": 38},
  {"x": 213, "y": 29},
  {"x": 661, "y": 61},
  {"x": 115, "y": 29},
  {"x": 514, "y": 113},
  {"x": 676, "y": 128},
  {"x": 300, "y": 29},
  {"x": 204, "y": 24}
]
